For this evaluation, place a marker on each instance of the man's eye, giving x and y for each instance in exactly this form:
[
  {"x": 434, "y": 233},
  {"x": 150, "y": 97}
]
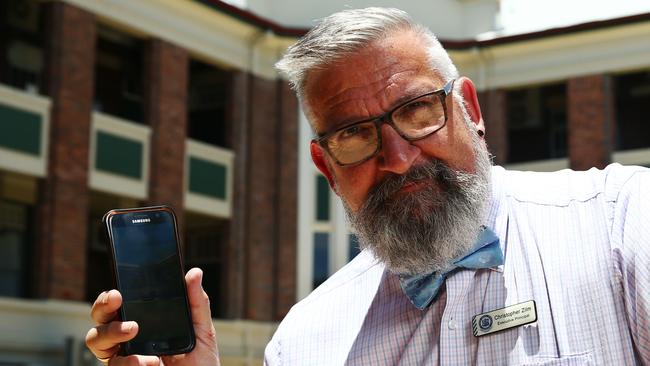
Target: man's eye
[
  {"x": 362, "y": 131},
  {"x": 350, "y": 131},
  {"x": 423, "y": 111},
  {"x": 416, "y": 106}
]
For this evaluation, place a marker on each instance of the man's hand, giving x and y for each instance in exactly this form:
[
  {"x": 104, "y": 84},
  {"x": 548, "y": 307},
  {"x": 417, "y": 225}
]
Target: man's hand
[{"x": 103, "y": 340}]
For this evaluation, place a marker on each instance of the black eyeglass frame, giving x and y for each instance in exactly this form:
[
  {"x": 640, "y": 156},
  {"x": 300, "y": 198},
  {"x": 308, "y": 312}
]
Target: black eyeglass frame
[{"x": 442, "y": 93}]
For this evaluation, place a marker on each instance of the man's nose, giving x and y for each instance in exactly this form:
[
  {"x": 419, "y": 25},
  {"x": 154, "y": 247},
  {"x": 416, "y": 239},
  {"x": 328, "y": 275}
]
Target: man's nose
[{"x": 397, "y": 154}]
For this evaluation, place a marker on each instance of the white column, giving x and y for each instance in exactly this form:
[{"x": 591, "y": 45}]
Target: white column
[{"x": 306, "y": 209}]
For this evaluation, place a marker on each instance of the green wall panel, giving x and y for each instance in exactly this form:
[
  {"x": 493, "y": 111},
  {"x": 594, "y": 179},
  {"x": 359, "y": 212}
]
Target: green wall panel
[
  {"x": 207, "y": 178},
  {"x": 118, "y": 155},
  {"x": 20, "y": 130},
  {"x": 322, "y": 199}
]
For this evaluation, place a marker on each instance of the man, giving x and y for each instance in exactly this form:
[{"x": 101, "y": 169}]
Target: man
[{"x": 463, "y": 263}]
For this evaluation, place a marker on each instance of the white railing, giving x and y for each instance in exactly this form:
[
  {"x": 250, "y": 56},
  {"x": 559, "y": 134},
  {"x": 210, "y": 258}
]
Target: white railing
[
  {"x": 114, "y": 183},
  {"x": 33, "y": 329},
  {"x": 625, "y": 157},
  {"x": 632, "y": 157},
  {"x": 22, "y": 162},
  {"x": 549, "y": 165},
  {"x": 201, "y": 203}
]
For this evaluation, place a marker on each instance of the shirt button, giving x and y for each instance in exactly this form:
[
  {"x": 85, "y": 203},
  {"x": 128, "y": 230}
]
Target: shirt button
[{"x": 452, "y": 324}]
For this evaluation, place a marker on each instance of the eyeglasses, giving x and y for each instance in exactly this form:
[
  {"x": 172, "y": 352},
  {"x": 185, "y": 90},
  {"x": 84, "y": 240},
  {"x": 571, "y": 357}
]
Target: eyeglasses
[{"x": 414, "y": 119}]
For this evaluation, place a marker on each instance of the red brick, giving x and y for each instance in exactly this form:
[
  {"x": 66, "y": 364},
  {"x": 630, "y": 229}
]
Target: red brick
[
  {"x": 236, "y": 251},
  {"x": 63, "y": 208},
  {"x": 288, "y": 203},
  {"x": 262, "y": 200},
  {"x": 590, "y": 121},
  {"x": 261, "y": 269},
  {"x": 166, "y": 113}
]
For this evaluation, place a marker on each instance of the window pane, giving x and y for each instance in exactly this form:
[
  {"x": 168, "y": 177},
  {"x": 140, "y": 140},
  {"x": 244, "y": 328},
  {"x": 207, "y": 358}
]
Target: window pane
[
  {"x": 322, "y": 199},
  {"x": 537, "y": 123},
  {"x": 209, "y": 90},
  {"x": 99, "y": 271},
  {"x": 353, "y": 246},
  {"x": 119, "y": 74},
  {"x": 632, "y": 100},
  {"x": 206, "y": 239},
  {"x": 13, "y": 248},
  {"x": 321, "y": 258},
  {"x": 22, "y": 41}
]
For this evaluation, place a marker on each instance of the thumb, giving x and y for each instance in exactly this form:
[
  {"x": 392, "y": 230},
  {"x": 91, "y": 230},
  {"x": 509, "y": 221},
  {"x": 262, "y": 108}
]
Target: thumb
[{"x": 199, "y": 300}]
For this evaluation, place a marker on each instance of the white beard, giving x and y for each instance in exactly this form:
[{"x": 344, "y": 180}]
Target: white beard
[{"x": 425, "y": 230}]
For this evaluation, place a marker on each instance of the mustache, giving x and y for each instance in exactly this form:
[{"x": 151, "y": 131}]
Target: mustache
[{"x": 434, "y": 170}]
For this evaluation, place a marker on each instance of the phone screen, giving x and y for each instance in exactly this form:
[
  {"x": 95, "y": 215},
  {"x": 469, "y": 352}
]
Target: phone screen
[{"x": 150, "y": 277}]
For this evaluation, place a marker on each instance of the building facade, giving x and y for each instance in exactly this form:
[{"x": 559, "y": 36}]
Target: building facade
[
  {"x": 124, "y": 104},
  {"x": 120, "y": 103}
]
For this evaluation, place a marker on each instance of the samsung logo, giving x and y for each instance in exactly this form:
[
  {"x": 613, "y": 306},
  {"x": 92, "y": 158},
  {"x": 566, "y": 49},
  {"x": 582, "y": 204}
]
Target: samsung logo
[{"x": 140, "y": 221}]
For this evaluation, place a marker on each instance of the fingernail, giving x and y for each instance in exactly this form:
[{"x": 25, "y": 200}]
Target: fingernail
[
  {"x": 106, "y": 297},
  {"x": 127, "y": 327}
]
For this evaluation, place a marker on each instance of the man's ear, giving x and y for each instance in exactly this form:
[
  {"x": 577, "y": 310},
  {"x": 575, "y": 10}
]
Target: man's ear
[
  {"x": 468, "y": 91},
  {"x": 318, "y": 156}
]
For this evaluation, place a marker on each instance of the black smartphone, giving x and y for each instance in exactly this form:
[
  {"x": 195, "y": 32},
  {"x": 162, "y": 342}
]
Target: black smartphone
[{"x": 148, "y": 271}]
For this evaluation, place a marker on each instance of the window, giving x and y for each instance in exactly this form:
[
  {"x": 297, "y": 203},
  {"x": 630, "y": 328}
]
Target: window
[
  {"x": 353, "y": 246},
  {"x": 119, "y": 75},
  {"x": 99, "y": 273},
  {"x": 321, "y": 258},
  {"x": 15, "y": 249},
  {"x": 322, "y": 199},
  {"x": 207, "y": 107},
  {"x": 632, "y": 100},
  {"x": 323, "y": 230},
  {"x": 537, "y": 123},
  {"x": 206, "y": 240},
  {"x": 21, "y": 44}
]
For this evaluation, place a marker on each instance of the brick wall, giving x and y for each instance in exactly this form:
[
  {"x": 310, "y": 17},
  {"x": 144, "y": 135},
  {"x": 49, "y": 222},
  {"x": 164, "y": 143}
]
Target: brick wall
[
  {"x": 263, "y": 194},
  {"x": 236, "y": 251},
  {"x": 288, "y": 201},
  {"x": 63, "y": 206},
  {"x": 166, "y": 66},
  {"x": 262, "y": 252},
  {"x": 590, "y": 121}
]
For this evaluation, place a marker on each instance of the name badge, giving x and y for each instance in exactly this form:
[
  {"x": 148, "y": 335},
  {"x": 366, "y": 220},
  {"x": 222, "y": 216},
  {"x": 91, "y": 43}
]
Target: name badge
[{"x": 505, "y": 318}]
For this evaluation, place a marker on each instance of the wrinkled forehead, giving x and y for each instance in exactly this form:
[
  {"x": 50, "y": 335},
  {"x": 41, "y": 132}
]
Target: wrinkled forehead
[{"x": 368, "y": 82}]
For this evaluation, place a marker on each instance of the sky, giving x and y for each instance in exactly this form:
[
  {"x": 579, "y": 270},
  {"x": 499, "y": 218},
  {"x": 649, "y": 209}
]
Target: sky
[
  {"x": 521, "y": 16},
  {"x": 513, "y": 16}
]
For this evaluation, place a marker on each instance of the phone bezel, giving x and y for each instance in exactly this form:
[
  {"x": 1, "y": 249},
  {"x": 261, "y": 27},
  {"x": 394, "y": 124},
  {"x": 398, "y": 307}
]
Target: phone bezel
[{"x": 127, "y": 349}]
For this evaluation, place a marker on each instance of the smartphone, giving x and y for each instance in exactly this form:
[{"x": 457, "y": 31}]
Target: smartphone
[{"x": 148, "y": 272}]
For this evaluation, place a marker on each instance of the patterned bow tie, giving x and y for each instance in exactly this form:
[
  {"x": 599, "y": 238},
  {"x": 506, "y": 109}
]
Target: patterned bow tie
[{"x": 422, "y": 289}]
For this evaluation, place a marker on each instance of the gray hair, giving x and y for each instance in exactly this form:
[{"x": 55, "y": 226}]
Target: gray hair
[{"x": 348, "y": 31}]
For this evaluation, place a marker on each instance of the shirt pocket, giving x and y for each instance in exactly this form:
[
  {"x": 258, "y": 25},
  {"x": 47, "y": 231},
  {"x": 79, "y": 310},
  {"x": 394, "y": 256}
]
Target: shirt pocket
[{"x": 579, "y": 359}]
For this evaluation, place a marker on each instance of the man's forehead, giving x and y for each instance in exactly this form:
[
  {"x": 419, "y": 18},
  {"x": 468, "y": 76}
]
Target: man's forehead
[
  {"x": 389, "y": 54},
  {"x": 369, "y": 82}
]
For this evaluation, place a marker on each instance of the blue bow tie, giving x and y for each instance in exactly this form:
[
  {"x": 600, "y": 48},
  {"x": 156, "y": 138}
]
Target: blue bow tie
[{"x": 422, "y": 289}]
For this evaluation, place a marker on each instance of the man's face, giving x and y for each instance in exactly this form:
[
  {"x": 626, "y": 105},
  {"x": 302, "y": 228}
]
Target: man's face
[
  {"x": 416, "y": 204},
  {"x": 369, "y": 84}
]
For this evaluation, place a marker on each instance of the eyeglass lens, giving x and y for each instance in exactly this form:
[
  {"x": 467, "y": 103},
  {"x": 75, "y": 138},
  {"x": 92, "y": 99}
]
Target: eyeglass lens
[{"x": 416, "y": 119}]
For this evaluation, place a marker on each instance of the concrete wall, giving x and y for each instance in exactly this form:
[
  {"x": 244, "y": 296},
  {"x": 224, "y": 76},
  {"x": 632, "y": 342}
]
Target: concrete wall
[{"x": 52, "y": 333}]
